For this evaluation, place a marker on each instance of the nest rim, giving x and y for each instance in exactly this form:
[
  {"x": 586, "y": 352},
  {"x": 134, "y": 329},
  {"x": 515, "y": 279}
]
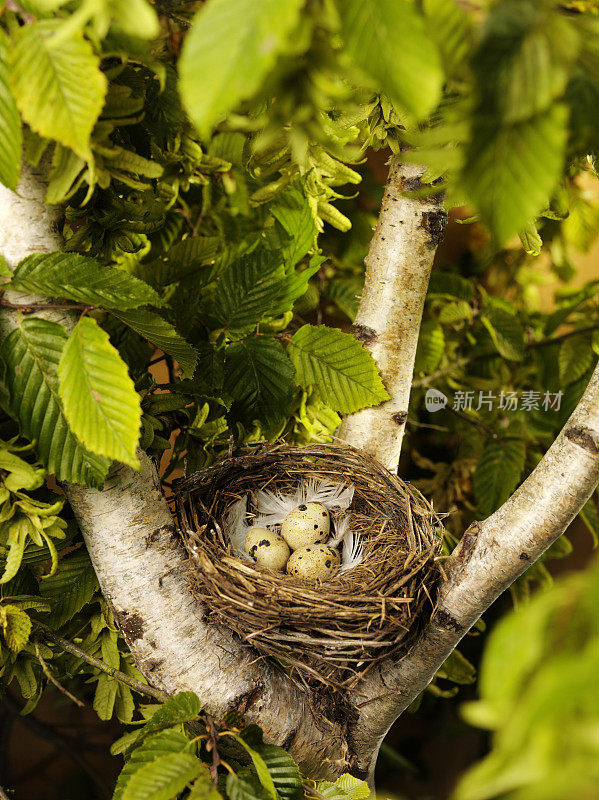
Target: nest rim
[{"x": 328, "y": 633}]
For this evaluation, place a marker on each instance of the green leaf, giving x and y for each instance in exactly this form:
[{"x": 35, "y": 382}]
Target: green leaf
[
  {"x": 511, "y": 170},
  {"x": 431, "y": 344},
  {"x": 10, "y": 125},
  {"x": 154, "y": 747},
  {"x": 245, "y": 786},
  {"x": 506, "y": 332},
  {"x": 105, "y": 696},
  {"x": 76, "y": 277},
  {"x": 99, "y": 398},
  {"x": 389, "y": 41},
  {"x": 259, "y": 378},
  {"x": 531, "y": 241},
  {"x": 346, "y": 787},
  {"x": 247, "y": 291},
  {"x": 344, "y": 372},
  {"x": 260, "y": 766},
  {"x": 59, "y": 88},
  {"x": 162, "y": 334},
  {"x": 292, "y": 211},
  {"x": 224, "y": 62},
  {"x": 32, "y": 353},
  {"x": 283, "y": 771},
  {"x": 16, "y": 627},
  {"x": 71, "y": 587},
  {"x": 497, "y": 473},
  {"x": 450, "y": 285},
  {"x": 163, "y": 778},
  {"x": 524, "y": 58},
  {"x": 183, "y": 707},
  {"x": 574, "y": 358},
  {"x": 457, "y": 669},
  {"x": 590, "y": 516}
]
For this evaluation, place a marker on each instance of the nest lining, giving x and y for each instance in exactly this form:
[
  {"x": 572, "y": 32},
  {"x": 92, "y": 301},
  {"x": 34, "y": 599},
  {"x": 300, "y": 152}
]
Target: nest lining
[{"x": 329, "y": 633}]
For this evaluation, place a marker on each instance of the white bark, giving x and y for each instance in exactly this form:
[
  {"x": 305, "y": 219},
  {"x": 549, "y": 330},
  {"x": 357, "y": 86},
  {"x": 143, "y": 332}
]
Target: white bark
[
  {"x": 388, "y": 320},
  {"x": 488, "y": 559},
  {"x": 141, "y": 563}
]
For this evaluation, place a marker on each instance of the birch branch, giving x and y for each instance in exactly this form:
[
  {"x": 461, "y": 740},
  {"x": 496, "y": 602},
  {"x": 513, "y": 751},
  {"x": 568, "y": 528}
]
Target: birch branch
[
  {"x": 141, "y": 564},
  {"x": 398, "y": 268},
  {"x": 488, "y": 559}
]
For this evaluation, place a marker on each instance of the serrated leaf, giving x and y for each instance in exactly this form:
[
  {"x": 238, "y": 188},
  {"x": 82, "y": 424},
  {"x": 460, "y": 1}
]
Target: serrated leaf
[
  {"x": 511, "y": 170},
  {"x": 345, "y": 293},
  {"x": 292, "y": 211},
  {"x": 163, "y": 778},
  {"x": 344, "y": 372},
  {"x": 448, "y": 284},
  {"x": 247, "y": 291},
  {"x": 154, "y": 747},
  {"x": 524, "y": 58},
  {"x": 506, "y": 332},
  {"x": 224, "y": 62},
  {"x": 99, "y": 397},
  {"x": 162, "y": 334},
  {"x": 452, "y": 30},
  {"x": 105, "y": 696},
  {"x": 260, "y": 766},
  {"x": 574, "y": 358},
  {"x": 183, "y": 707},
  {"x": 283, "y": 771},
  {"x": 455, "y": 312},
  {"x": 70, "y": 588},
  {"x": 389, "y": 41},
  {"x": 23, "y": 671},
  {"x": 245, "y": 786},
  {"x": 346, "y": 787},
  {"x": 497, "y": 473},
  {"x": 32, "y": 353},
  {"x": 259, "y": 378},
  {"x": 431, "y": 344},
  {"x": 59, "y": 88},
  {"x": 76, "y": 277},
  {"x": 531, "y": 241},
  {"x": 11, "y": 139},
  {"x": 16, "y": 626}
]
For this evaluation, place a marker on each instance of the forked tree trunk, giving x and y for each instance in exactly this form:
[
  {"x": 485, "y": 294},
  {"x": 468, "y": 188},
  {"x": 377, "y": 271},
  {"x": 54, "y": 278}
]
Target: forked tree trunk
[{"x": 141, "y": 564}]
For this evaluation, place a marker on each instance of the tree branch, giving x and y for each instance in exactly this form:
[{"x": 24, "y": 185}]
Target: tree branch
[
  {"x": 398, "y": 267},
  {"x": 142, "y": 566},
  {"x": 488, "y": 559}
]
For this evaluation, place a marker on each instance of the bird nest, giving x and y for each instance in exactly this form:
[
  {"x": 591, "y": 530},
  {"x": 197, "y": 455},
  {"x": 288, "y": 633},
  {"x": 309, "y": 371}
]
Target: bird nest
[{"x": 330, "y": 632}]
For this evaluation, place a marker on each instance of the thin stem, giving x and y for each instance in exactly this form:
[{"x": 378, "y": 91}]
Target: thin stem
[
  {"x": 132, "y": 683},
  {"x": 32, "y": 307},
  {"x": 53, "y": 680}
]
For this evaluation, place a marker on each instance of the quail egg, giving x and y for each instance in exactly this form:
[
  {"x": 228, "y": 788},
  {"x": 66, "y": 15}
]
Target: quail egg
[
  {"x": 313, "y": 562},
  {"x": 268, "y": 548},
  {"x": 307, "y": 524}
]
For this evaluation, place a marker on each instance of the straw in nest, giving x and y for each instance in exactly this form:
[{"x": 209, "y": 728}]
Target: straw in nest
[{"x": 329, "y": 633}]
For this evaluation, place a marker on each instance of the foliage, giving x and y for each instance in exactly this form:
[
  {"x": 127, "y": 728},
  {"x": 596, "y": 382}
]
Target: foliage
[
  {"x": 206, "y": 169},
  {"x": 537, "y": 695}
]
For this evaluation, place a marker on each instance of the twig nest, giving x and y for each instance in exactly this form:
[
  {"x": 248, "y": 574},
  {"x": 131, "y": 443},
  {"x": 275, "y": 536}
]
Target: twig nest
[
  {"x": 309, "y": 523},
  {"x": 268, "y": 548},
  {"x": 315, "y": 562},
  {"x": 328, "y": 632}
]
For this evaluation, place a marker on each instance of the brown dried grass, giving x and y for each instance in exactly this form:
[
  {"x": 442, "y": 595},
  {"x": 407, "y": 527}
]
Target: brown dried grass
[{"x": 332, "y": 632}]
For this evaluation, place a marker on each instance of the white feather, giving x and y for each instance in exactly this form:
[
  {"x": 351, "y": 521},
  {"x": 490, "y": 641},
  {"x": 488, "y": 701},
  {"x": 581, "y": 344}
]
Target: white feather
[
  {"x": 352, "y": 551},
  {"x": 273, "y": 507},
  {"x": 236, "y": 527}
]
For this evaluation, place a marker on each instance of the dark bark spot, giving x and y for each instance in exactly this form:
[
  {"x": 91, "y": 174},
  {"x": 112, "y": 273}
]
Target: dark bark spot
[
  {"x": 288, "y": 741},
  {"x": 524, "y": 557},
  {"x": 303, "y": 507},
  {"x": 584, "y": 437},
  {"x": 165, "y": 531},
  {"x": 363, "y": 334},
  {"x": 400, "y": 417},
  {"x": 132, "y": 625},
  {"x": 445, "y": 620},
  {"x": 468, "y": 541},
  {"x": 246, "y": 700},
  {"x": 152, "y": 664},
  {"x": 433, "y": 223},
  {"x": 412, "y": 184}
]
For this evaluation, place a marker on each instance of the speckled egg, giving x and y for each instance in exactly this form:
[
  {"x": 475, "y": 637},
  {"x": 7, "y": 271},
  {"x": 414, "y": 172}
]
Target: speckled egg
[
  {"x": 268, "y": 548},
  {"x": 314, "y": 562},
  {"x": 307, "y": 524}
]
